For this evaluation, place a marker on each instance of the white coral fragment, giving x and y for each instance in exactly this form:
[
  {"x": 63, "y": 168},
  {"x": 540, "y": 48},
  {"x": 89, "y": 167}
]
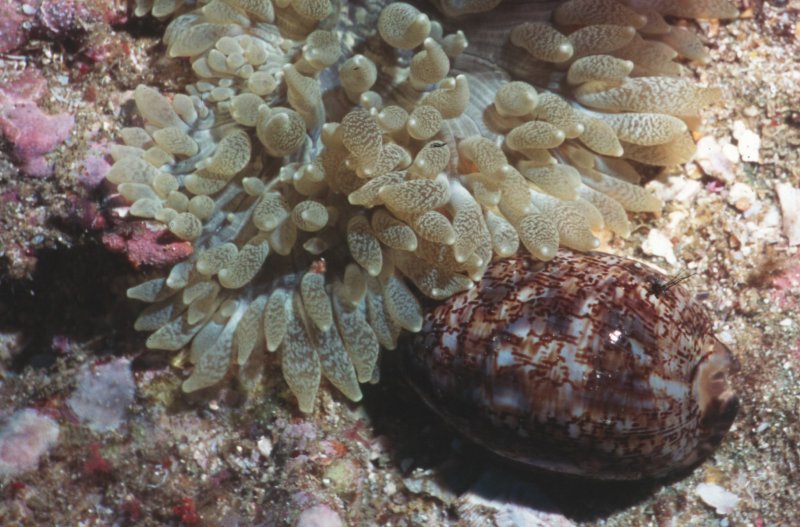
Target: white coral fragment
[{"x": 723, "y": 501}]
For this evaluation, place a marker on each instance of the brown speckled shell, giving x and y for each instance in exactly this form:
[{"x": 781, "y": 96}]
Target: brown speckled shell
[{"x": 585, "y": 365}]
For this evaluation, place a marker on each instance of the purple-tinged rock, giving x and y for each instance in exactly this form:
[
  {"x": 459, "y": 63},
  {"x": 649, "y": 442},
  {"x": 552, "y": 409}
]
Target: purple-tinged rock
[
  {"x": 103, "y": 395},
  {"x": 13, "y": 31},
  {"x": 26, "y": 436},
  {"x": 319, "y": 516}
]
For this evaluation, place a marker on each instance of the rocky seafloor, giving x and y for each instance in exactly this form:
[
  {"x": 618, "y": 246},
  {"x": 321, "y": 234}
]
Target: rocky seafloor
[{"x": 95, "y": 430}]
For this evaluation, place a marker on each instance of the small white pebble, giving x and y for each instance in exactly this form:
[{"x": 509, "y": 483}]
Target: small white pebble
[
  {"x": 741, "y": 196},
  {"x": 748, "y": 141},
  {"x": 790, "y": 210},
  {"x": 726, "y": 337},
  {"x": 716, "y": 160},
  {"x": 731, "y": 153},
  {"x": 390, "y": 488},
  {"x": 265, "y": 446},
  {"x": 676, "y": 188},
  {"x": 751, "y": 111},
  {"x": 658, "y": 244},
  {"x": 723, "y": 501}
]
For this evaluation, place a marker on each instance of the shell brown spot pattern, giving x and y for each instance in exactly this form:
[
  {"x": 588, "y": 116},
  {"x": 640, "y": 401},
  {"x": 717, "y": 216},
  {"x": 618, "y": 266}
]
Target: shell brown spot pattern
[{"x": 576, "y": 366}]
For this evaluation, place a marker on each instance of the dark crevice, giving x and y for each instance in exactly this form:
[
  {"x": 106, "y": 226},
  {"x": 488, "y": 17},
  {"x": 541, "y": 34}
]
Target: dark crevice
[{"x": 75, "y": 295}]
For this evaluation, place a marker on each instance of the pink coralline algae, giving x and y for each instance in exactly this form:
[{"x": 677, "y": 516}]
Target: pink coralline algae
[
  {"x": 94, "y": 167},
  {"x": 103, "y": 394},
  {"x": 146, "y": 244},
  {"x": 12, "y": 31},
  {"x": 32, "y": 132},
  {"x": 26, "y": 436}
]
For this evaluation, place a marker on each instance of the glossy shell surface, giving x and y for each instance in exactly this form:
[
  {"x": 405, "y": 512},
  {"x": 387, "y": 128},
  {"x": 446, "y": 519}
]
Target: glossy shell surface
[{"x": 591, "y": 365}]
